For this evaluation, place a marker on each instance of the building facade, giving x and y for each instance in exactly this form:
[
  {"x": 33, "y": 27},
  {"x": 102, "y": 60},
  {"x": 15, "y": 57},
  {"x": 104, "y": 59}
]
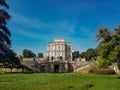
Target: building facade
[
  {"x": 59, "y": 49},
  {"x": 59, "y": 58}
]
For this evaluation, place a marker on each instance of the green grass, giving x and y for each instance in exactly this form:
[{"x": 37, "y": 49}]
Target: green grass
[{"x": 67, "y": 81}]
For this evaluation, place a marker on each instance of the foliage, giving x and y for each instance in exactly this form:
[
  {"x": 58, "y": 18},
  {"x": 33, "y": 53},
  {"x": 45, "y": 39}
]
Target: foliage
[
  {"x": 89, "y": 54},
  {"x": 75, "y": 54},
  {"x": 114, "y": 55},
  {"x": 103, "y": 34},
  {"x": 109, "y": 46},
  {"x": 28, "y": 53},
  {"x": 107, "y": 71},
  {"x": 118, "y": 29},
  {"x": 9, "y": 59},
  {"x": 40, "y": 55},
  {"x": 7, "y": 56},
  {"x": 3, "y": 3},
  {"x": 103, "y": 63},
  {"x": 4, "y": 32}
]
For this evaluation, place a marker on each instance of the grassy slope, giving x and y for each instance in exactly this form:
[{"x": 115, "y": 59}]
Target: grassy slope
[{"x": 44, "y": 81}]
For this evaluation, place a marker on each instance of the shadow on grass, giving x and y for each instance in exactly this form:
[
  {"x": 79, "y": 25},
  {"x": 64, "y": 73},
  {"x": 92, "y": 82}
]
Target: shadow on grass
[
  {"x": 118, "y": 77},
  {"x": 87, "y": 86},
  {"x": 70, "y": 87}
]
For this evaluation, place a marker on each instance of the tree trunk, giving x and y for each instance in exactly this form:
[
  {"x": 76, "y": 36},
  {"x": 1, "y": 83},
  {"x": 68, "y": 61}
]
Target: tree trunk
[{"x": 116, "y": 68}]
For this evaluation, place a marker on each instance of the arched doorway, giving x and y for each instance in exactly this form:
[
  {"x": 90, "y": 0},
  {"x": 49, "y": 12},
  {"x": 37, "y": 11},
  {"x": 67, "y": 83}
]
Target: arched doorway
[
  {"x": 49, "y": 68},
  {"x": 63, "y": 68},
  {"x": 56, "y": 68},
  {"x": 43, "y": 68}
]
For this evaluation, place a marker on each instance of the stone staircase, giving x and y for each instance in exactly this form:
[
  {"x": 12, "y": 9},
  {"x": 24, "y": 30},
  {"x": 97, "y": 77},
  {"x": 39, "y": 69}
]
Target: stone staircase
[
  {"x": 83, "y": 66},
  {"x": 31, "y": 66}
]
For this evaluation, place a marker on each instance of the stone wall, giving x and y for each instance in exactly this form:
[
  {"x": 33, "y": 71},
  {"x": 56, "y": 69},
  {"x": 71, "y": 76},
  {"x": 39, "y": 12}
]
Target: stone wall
[
  {"x": 57, "y": 67},
  {"x": 10, "y": 70}
]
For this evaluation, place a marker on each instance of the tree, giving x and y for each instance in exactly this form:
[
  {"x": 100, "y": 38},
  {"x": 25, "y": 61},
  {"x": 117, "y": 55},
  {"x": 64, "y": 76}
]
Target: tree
[
  {"x": 4, "y": 32},
  {"x": 28, "y": 53},
  {"x": 118, "y": 29},
  {"x": 109, "y": 49},
  {"x": 40, "y": 55},
  {"x": 89, "y": 54},
  {"x": 115, "y": 54},
  {"x": 9, "y": 59},
  {"x": 103, "y": 34},
  {"x": 7, "y": 56},
  {"x": 75, "y": 54},
  {"x": 3, "y": 3}
]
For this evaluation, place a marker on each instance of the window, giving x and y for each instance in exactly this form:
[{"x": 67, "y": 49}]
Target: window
[{"x": 59, "y": 47}]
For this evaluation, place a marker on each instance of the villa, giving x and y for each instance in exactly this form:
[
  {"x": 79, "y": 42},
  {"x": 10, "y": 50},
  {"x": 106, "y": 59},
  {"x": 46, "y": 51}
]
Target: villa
[{"x": 59, "y": 57}]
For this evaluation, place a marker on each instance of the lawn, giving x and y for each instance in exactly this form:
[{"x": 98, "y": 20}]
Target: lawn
[{"x": 62, "y": 81}]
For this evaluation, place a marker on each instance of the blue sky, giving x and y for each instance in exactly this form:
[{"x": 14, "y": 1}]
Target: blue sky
[{"x": 36, "y": 22}]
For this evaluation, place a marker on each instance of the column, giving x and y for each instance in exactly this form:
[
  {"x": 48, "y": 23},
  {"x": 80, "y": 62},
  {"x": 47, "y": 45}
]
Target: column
[
  {"x": 66, "y": 67},
  {"x": 52, "y": 67}
]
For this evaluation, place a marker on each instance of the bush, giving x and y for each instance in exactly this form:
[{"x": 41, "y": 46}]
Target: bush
[{"x": 106, "y": 71}]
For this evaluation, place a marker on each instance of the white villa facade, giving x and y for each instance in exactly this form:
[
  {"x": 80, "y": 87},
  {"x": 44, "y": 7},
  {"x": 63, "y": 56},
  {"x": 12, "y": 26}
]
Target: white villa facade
[
  {"x": 59, "y": 58},
  {"x": 59, "y": 49}
]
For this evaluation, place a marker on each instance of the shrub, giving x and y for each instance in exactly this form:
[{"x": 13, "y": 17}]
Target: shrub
[{"x": 106, "y": 71}]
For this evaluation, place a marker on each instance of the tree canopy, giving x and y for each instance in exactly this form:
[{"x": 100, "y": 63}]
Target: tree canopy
[
  {"x": 109, "y": 46},
  {"x": 40, "y": 55},
  {"x": 28, "y": 54},
  {"x": 75, "y": 54},
  {"x": 89, "y": 54}
]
